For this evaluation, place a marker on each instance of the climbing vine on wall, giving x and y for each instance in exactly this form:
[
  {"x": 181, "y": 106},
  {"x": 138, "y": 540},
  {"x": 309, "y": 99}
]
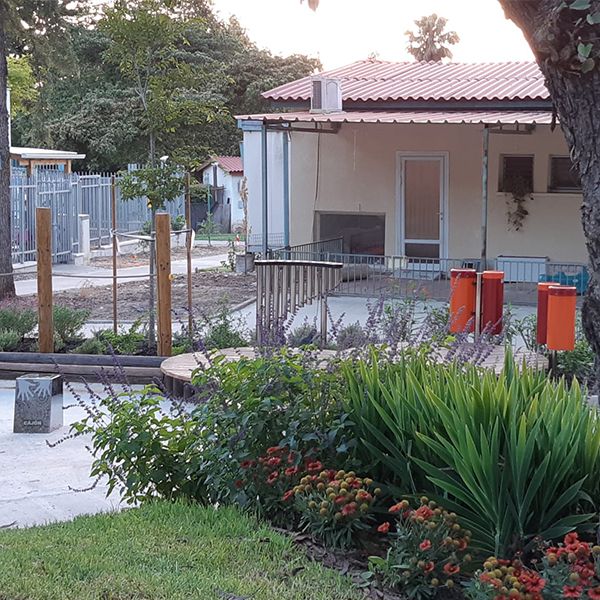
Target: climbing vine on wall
[{"x": 519, "y": 193}]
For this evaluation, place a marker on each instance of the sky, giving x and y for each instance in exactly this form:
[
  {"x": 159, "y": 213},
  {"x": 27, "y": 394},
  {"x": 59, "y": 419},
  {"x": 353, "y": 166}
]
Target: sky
[{"x": 342, "y": 31}]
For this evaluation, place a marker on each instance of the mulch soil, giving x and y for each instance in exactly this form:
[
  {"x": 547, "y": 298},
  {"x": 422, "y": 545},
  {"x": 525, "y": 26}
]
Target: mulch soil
[
  {"x": 211, "y": 289},
  {"x": 354, "y": 564}
]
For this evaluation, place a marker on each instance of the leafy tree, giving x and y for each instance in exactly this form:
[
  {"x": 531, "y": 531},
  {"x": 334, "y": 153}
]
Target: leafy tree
[
  {"x": 431, "y": 42},
  {"x": 144, "y": 40},
  {"x": 25, "y": 26},
  {"x": 159, "y": 184},
  {"x": 95, "y": 110},
  {"x": 21, "y": 81},
  {"x": 7, "y": 285}
]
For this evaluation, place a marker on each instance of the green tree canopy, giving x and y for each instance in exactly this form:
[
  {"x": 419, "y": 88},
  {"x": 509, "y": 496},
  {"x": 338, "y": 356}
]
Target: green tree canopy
[
  {"x": 21, "y": 82},
  {"x": 203, "y": 72}
]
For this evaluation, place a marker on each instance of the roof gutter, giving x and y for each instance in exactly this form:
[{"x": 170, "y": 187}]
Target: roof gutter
[{"x": 388, "y": 105}]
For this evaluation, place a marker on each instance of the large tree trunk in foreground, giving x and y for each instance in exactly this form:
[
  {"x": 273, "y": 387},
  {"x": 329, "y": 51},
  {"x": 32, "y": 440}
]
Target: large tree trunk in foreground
[
  {"x": 576, "y": 97},
  {"x": 7, "y": 285}
]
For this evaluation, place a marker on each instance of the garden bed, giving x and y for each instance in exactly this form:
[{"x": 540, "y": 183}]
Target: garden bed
[{"x": 209, "y": 289}]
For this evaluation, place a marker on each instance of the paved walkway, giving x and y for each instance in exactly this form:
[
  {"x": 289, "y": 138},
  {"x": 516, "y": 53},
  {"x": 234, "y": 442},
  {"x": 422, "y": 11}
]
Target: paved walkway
[
  {"x": 84, "y": 275},
  {"x": 35, "y": 479}
]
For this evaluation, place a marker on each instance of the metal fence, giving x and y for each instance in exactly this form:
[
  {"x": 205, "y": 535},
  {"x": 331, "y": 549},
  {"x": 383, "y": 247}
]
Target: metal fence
[
  {"x": 70, "y": 196},
  {"x": 399, "y": 277}
]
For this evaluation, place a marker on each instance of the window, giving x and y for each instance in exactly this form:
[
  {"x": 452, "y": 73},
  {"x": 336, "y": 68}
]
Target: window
[
  {"x": 516, "y": 173},
  {"x": 563, "y": 176},
  {"x": 362, "y": 234}
]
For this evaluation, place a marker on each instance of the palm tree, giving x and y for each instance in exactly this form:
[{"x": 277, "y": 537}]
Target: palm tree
[{"x": 430, "y": 42}]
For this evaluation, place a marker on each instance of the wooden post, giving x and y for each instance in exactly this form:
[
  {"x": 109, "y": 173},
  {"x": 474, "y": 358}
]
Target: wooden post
[
  {"x": 189, "y": 245},
  {"x": 113, "y": 207},
  {"x": 163, "y": 262},
  {"x": 43, "y": 236}
]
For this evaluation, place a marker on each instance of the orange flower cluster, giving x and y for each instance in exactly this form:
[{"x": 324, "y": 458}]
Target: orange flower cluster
[
  {"x": 334, "y": 505},
  {"x": 572, "y": 569},
  {"x": 336, "y": 495},
  {"x": 510, "y": 579},
  {"x": 427, "y": 549}
]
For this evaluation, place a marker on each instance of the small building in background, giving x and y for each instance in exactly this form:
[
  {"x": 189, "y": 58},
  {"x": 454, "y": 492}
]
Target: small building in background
[
  {"x": 224, "y": 177},
  {"x": 28, "y": 160}
]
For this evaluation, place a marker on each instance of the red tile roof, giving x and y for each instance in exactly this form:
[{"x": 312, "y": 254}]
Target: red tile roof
[
  {"x": 410, "y": 116},
  {"x": 376, "y": 80},
  {"x": 230, "y": 164}
]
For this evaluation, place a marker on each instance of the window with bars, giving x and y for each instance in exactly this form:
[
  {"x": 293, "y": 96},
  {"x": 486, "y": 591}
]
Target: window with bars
[
  {"x": 516, "y": 172},
  {"x": 563, "y": 175}
]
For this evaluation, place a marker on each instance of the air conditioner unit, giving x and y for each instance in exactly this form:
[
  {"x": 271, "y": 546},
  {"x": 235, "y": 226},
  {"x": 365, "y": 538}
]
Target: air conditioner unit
[{"x": 326, "y": 95}]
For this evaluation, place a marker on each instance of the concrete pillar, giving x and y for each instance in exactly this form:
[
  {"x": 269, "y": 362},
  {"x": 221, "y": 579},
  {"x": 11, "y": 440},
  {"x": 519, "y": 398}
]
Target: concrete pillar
[{"x": 85, "y": 250}]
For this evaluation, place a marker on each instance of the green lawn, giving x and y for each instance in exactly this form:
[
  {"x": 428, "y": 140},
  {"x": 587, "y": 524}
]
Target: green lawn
[{"x": 161, "y": 551}]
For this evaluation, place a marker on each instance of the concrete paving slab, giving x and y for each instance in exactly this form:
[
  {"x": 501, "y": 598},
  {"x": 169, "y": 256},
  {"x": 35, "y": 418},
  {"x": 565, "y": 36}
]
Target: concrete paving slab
[{"x": 35, "y": 480}]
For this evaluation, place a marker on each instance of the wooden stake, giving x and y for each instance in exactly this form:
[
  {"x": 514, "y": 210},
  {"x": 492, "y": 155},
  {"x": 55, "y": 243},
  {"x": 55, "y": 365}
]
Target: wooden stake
[
  {"x": 113, "y": 202},
  {"x": 163, "y": 262},
  {"x": 43, "y": 236},
  {"x": 189, "y": 244}
]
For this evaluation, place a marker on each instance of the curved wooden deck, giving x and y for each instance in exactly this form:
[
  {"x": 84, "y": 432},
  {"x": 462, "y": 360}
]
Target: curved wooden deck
[{"x": 177, "y": 370}]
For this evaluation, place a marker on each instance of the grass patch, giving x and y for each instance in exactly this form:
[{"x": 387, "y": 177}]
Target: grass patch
[{"x": 161, "y": 551}]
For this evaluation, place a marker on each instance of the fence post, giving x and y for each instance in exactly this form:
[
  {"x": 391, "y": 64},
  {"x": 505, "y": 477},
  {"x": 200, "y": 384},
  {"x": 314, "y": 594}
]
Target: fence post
[
  {"x": 163, "y": 261},
  {"x": 43, "y": 234}
]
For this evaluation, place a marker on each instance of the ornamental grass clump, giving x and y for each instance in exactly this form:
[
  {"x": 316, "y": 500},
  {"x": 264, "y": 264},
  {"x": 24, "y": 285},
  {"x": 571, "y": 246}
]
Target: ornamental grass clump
[
  {"x": 516, "y": 456},
  {"x": 428, "y": 548},
  {"x": 334, "y": 506}
]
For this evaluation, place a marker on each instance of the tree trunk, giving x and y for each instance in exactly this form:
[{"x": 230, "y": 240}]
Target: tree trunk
[
  {"x": 576, "y": 98},
  {"x": 7, "y": 285}
]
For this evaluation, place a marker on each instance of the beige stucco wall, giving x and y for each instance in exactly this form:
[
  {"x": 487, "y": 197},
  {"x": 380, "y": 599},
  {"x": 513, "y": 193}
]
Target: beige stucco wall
[{"x": 357, "y": 173}]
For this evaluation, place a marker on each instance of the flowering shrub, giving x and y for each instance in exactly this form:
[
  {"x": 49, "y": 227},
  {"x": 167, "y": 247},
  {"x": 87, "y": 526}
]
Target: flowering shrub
[
  {"x": 427, "y": 549},
  {"x": 266, "y": 480},
  {"x": 285, "y": 399},
  {"x": 334, "y": 506},
  {"x": 569, "y": 570},
  {"x": 572, "y": 570},
  {"x": 506, "y": 579}
]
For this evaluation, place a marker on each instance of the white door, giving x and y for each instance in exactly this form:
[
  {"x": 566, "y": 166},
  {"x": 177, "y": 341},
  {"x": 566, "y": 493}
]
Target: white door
[{"x": 421, "y": 206}]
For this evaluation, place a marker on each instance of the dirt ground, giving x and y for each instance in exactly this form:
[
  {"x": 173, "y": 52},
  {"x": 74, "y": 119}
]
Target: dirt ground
[
  {"x": 210, "y": 289},
  {"x": 142, "y": 258}
]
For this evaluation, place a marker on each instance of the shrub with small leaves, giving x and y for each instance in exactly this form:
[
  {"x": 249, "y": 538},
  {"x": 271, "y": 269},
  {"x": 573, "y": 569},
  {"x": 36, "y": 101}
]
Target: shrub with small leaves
[
  {"x": 91, "y": 346},
  {"x": 303, "y": 335},
  {"x": 68, "y": 324},
  {"x": 22, "y": 321},
  {"x": 224, "y": 330},
  {"x": 427, "y": 551},
  {"x": 352, "y": 336},
  {"x": 334, "y": 506},
  {"x": 9, "y": 340}
]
